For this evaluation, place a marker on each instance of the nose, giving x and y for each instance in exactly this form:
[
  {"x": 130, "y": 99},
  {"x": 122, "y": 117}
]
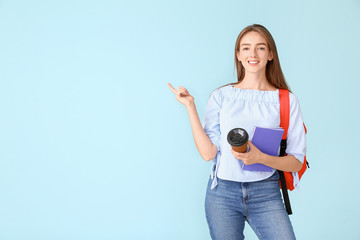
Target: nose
[{"x": 253, "y": 52}]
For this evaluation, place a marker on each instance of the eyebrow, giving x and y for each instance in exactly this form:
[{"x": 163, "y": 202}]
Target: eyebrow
[{"x": 255, "y": 44}]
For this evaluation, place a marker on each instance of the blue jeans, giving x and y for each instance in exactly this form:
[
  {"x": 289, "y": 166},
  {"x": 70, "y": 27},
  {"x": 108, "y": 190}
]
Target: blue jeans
[{"x": 259, "y": 203}]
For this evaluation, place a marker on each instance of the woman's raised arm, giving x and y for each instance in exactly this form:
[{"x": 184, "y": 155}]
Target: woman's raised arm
[{"x": 203, "y": 143}]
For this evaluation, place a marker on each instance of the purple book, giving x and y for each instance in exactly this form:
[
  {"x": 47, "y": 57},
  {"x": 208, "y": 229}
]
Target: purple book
[{"x": 267, "y": 140}]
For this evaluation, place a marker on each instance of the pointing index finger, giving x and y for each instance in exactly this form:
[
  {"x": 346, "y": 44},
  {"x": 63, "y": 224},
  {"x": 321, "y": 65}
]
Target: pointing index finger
[{"x": 172, "y": 88}]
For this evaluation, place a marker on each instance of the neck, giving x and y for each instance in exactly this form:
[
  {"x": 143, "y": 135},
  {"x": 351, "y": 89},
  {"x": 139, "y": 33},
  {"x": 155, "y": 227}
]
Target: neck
[{"x": 256, "y": 81}]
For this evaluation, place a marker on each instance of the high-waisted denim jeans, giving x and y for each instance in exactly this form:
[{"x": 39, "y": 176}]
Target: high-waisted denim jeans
[{"x": 230, "y": 204}]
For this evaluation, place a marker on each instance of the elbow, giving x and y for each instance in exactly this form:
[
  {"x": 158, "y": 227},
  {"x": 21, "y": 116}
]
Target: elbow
[
  {"x": 208, "y": 157},
  {"x": 209, "y": 154},
  {"x": 298, "y": 166},
  {"x": 294, "y": 165}
]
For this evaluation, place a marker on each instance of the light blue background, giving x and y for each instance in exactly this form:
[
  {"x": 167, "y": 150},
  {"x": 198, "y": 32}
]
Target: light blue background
[{"x": 93, "y": 144}]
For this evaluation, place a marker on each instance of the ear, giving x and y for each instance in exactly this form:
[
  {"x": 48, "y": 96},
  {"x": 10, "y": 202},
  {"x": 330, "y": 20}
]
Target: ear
[
  {"x": 271, "y": 56},
  {"x": 238, "y": 56}
]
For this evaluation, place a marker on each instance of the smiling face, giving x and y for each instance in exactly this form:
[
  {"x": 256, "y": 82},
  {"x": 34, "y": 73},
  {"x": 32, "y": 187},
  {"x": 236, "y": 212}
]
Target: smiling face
[{"x": 254, "y": 52}]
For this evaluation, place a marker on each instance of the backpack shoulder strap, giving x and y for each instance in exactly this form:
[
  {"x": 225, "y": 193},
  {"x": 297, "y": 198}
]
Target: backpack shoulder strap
[
  {"x": 284, "y": 123},
  {"x": 284, "y": 110}
]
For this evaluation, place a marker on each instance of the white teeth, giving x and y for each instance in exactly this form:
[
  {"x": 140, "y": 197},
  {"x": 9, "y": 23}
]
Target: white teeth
[{"x": 253, "y": 62}]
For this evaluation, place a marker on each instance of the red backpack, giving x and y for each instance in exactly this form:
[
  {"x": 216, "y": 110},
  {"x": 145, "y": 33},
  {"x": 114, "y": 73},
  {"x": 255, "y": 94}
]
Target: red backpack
[{"x": 286, "y": 178}]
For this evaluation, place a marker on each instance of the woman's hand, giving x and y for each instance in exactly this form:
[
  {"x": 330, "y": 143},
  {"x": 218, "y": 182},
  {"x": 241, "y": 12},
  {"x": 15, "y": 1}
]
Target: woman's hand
[
  {"x": 254, "y": 155},
  {"x": 182, "y": 95}
]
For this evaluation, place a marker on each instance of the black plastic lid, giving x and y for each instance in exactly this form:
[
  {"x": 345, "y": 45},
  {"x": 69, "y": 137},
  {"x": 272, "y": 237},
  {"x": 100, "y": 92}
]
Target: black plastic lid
[{"x": 237, "y": 137}]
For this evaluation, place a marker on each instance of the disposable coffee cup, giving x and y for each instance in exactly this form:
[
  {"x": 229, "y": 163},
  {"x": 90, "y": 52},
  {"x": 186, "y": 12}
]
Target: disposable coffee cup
[{"x": 238, "y": 138}]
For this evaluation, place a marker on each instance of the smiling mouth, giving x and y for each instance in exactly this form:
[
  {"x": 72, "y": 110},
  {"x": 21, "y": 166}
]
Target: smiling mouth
[{"x": 253, "y": 62}]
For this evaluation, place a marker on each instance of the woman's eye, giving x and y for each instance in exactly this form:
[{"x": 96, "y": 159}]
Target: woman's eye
[
  {"x": 261, "y": 48},
  {"x": 245, "y": 49}
]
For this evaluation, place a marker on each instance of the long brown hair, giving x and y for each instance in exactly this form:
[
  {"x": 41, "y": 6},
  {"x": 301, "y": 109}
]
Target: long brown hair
[{"x": 274, "y": 73}]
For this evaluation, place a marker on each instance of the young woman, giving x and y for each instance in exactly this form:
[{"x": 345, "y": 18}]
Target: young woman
[{"x": 235, "y": 195}]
